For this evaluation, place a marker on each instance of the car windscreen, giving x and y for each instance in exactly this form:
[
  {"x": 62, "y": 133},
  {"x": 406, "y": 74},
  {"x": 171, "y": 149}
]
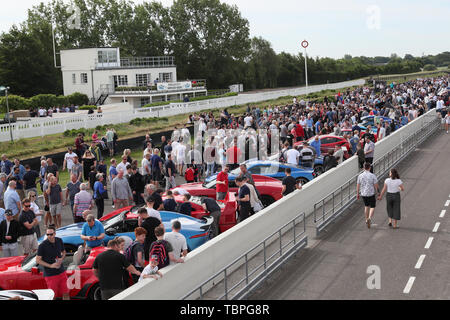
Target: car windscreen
[
  {"x": 29, "y": 262},
  {"x": 210, "y": 185},
  {"x": 236, "y": 172},
  {"x": 110, "y": 223}
]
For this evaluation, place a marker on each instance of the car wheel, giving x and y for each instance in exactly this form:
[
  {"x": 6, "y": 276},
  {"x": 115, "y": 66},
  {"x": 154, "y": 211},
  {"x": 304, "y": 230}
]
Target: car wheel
[
  {"x": 95, "y": 292},
  {"x": 302, "y": 180},
  {"x": 318, "y": 169},
  {"x": 70, "y": 248},
  {"x": 267, "y": 200}
]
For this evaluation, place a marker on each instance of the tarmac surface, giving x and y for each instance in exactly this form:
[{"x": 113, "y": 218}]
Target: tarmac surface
[{"x": 350, "y": 261}]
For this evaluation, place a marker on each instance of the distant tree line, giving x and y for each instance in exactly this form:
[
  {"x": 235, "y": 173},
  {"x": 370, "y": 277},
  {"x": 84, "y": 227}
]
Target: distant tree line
[{"x": 209, "y": 40}]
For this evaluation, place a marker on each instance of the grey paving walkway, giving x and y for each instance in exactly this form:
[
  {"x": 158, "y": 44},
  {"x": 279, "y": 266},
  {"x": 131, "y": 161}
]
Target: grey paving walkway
[{"x": 335, "y": 265}]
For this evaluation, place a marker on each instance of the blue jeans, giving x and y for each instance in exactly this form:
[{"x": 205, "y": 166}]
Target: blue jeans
[{"x": 210, "y": 169}]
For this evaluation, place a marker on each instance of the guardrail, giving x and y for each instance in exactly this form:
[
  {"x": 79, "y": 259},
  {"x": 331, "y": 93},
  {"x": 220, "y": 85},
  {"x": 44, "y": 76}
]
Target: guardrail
[
  {"x": 254, "y": 275},
  {"x": 334, "y": 204},
  {"x": 46, "y": 126}
]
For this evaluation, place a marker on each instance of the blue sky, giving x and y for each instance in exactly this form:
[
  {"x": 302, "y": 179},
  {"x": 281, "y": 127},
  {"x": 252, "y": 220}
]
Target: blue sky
[{"x": 333, "y": 28}]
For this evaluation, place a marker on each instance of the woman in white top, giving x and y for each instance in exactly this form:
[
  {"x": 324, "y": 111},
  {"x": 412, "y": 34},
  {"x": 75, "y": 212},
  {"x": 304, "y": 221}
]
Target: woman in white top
[
  {"x": 393, "y": 185},
  {"x": 447, "y": 120},
  {"x": 32, "y": 196}
]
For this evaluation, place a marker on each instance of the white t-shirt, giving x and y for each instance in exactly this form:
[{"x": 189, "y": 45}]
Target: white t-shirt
[
  {"x": 147, "y": 150},
  {"x": 148, "y": 270},
  {"x": 36, "y": 211},
  {"x": 393, "y": 186},
  {"x": 153, "y": 213},
  {"x": 181, "y": 153},
  {"x": 146, "y": 166},
  {"x": 447, "y": 119},
  {"x": 69, "y": 159},
  {"x": 248, "y": 121},
  {"x": 123, "y": 166},
  {"x": 178, "y": 242},
  {"x": 292, "y": 155},
  {"x": 382, "y": 133}
]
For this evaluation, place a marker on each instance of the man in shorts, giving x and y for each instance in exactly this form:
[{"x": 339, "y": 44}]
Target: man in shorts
[
  {"x": 51, "y": 255},
  {"x": 28, "y": 219},
  {"x": 54, "y": 193},
  {"x": 367, "y": 187}
]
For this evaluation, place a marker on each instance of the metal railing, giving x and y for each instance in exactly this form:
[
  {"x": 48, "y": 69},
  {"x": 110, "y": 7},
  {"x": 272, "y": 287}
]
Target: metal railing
[
  {"x": 335, "y": 203},
  {"x": 272, "y": 251},
  {"x": 138, "y": 62},
  {"x": 44, "y": 126}
]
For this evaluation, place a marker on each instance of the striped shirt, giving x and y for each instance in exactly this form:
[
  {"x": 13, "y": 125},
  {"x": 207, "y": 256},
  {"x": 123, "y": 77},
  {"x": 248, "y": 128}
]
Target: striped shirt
[{"x": 83, "y": 200}]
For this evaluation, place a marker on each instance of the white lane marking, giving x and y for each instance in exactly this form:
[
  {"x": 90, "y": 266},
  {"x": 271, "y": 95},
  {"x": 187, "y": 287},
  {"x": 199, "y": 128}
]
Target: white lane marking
[
  {"x": 447, "y": 203},
  {"x": 442, "y": 213},
  {"x": 428, "y": 245},
  {"x": 420, "y": 261},
  {"x": 436, "y": 227},
  {"x": 409, "y": 285}
]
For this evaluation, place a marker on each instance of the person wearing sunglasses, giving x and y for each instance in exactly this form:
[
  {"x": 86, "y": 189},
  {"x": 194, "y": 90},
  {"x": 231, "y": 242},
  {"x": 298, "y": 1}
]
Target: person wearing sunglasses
[
  {"x": 28, "y": 220},
  {"x": 51, "y": 255},
  {"x": 32, "y": 196}
]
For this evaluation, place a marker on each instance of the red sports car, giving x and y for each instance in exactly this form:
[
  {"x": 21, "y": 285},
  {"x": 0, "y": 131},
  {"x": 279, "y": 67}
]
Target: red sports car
[
  {"x": 329, "y": 142},
  {"x": 269, "y": 188},
  {"x": 24, "y": 274},
  {"x": 227, "y": 206}
]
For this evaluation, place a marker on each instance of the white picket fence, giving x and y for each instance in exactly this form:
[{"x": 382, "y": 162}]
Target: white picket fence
[{"x": 45, "y": 126}]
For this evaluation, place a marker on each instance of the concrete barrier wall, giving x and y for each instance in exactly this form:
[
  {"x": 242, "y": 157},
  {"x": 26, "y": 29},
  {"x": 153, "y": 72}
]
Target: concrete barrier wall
[{"x": 212, "y": 257}]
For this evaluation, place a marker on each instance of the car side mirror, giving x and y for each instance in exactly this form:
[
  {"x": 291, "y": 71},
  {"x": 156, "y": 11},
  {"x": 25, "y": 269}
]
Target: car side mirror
[
  {"x": 35, "y": 271},
  {"x": 111, "y": 232}
]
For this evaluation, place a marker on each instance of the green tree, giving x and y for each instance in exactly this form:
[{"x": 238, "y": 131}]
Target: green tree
[
  {"x": 207, "y": 37},
  {"x": 26, "y": 61},
  {"x": 265, "y": 63},
  {"x": 429, "y": 67}
]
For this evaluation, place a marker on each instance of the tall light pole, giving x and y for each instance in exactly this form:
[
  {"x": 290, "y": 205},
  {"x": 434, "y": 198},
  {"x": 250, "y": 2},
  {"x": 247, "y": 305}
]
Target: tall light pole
[
  {"x": 7, "y": 110},
  {"x": 305, "y": 45}
]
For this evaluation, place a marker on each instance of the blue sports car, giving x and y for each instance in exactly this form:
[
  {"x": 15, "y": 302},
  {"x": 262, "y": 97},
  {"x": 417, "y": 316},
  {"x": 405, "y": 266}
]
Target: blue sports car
[
  {"x": 271, "y": 169},
  {"x": 373, "y": 121},
  {"x": 122, "y": 222}
]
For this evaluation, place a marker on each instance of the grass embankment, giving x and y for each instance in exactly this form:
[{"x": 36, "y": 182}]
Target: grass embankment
[{"x": 400, "y": 78}]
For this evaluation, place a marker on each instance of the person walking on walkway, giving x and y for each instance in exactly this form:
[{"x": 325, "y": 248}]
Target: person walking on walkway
[
  {"x": 367, "y": 187},
  {"x": 369, "y": 150},
  {"x": 392, "y": 185}
]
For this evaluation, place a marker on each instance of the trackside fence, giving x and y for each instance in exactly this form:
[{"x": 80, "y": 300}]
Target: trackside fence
[
  {"x": 40, "y": 127},
  {"x": 257, "y": 263}
]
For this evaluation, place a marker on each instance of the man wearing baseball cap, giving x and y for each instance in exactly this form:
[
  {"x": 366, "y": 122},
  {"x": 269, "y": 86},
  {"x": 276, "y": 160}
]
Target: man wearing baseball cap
[{"x": 9, "y": 233}]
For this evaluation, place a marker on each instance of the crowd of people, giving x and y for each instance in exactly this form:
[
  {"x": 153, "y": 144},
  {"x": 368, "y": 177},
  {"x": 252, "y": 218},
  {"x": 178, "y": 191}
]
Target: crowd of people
[{"x": 218, "y": 145}]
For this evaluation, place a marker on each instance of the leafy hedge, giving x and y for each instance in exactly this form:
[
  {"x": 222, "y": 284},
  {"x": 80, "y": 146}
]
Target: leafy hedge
[
  {"x": 143, "y": 121},
  {"x": 15, "y": 103},
  {"x": 88, "y": 107},
  {"x": 42, "y": 100}
]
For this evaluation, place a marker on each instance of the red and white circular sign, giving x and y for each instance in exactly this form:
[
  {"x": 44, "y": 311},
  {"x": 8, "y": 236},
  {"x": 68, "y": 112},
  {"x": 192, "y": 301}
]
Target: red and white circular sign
[{"x": 305, "y": 44}]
